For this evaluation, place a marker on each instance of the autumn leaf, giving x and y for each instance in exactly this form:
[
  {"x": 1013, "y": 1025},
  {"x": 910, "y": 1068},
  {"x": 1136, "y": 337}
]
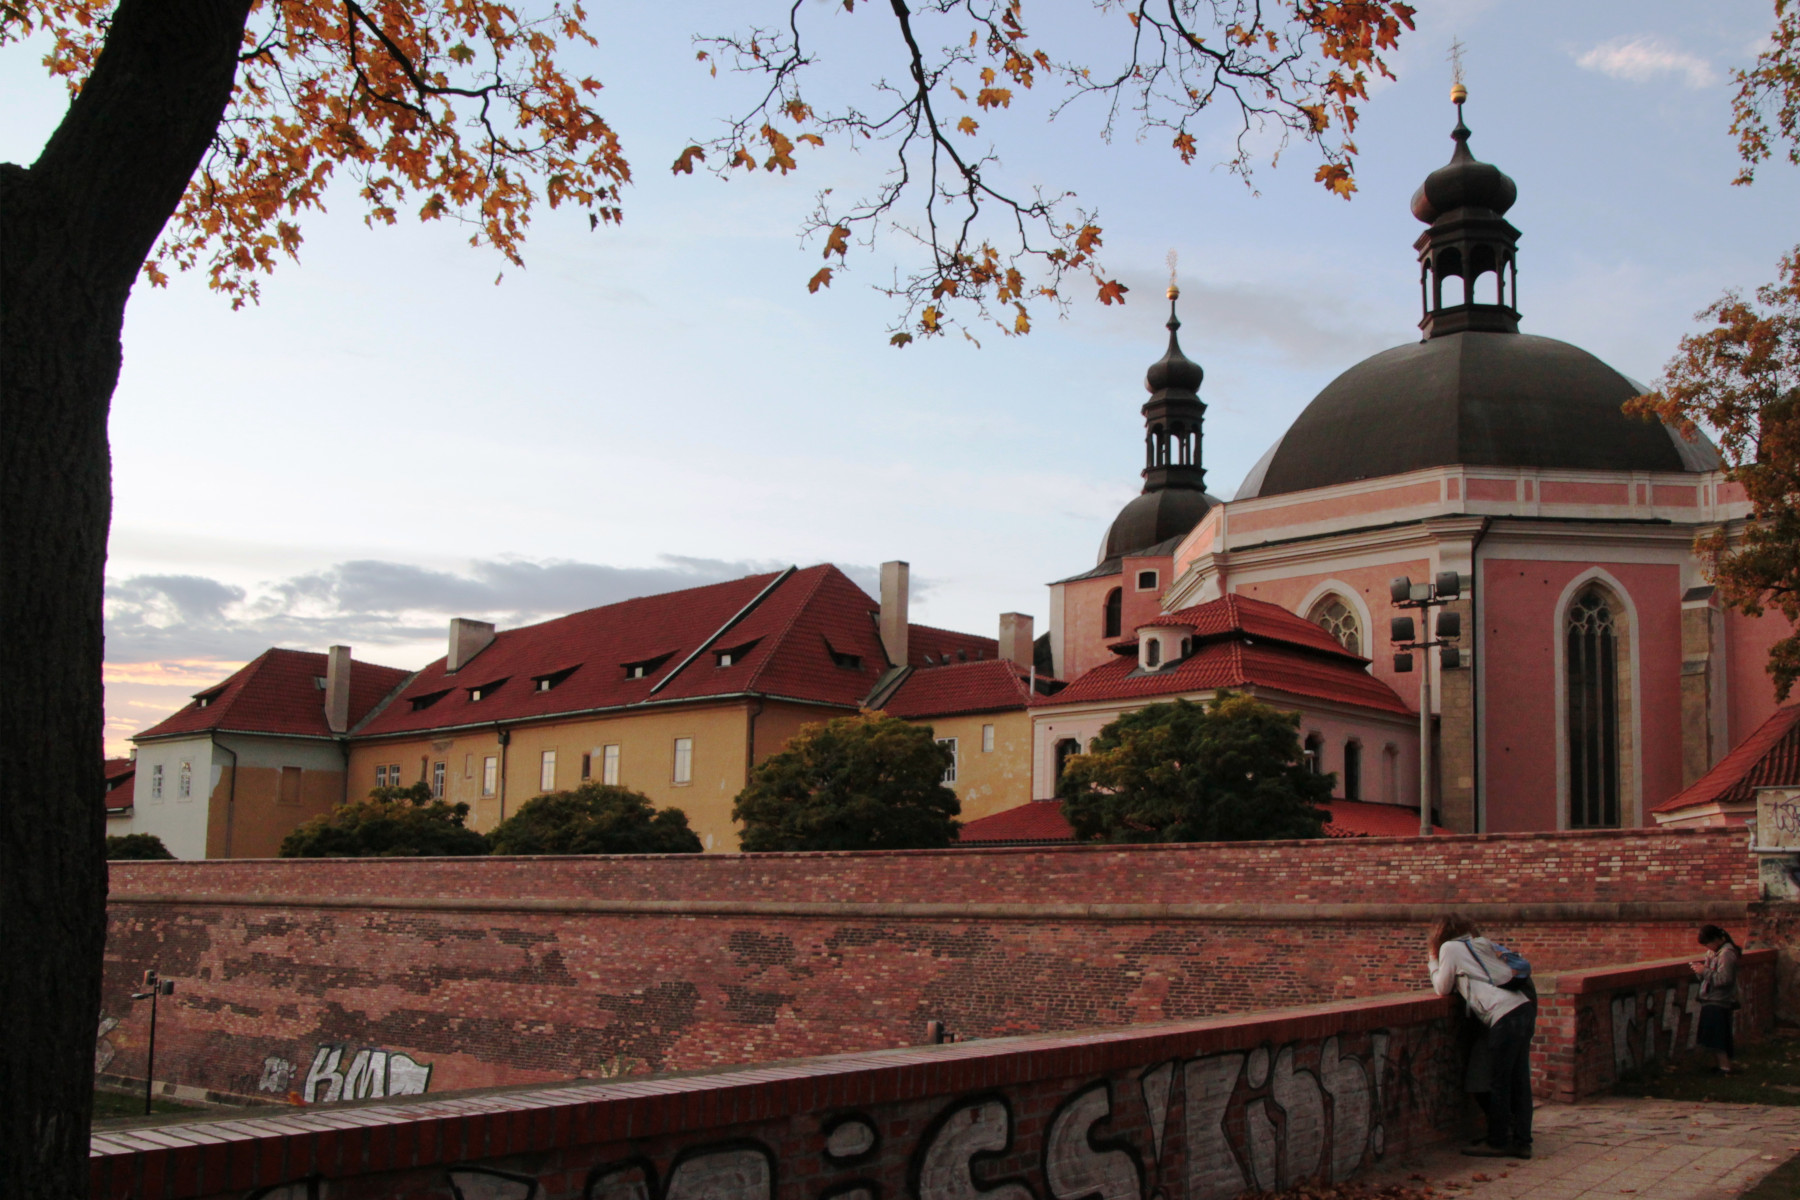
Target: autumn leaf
[
  {"x": 928, "y": 320},
  {"x": 967, "y": 125},
  {"x": 993, "y": 98},
  {"x": 1184, "y": 146},
  {"x": 838, "y": 241},
  {"x": 1336, "y": 178},
  {"x": 1021, "y": 322},
  {"x": 822, "y": 278},
  {"x": 901, "y": 339},
  {"x": 1112, "y": 291},
  {"x": 781, "y": 150},
  {"x": 684, "y": 162}
]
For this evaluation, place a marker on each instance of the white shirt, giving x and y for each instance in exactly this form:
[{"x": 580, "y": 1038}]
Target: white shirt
[{"x": 1459, "y": 971}]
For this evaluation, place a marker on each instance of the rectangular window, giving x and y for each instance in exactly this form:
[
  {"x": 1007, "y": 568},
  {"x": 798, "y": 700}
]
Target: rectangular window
[
  {"x": 468, "y": 766},
  {"x": 609, "y": 766},
  {"x": 156, "y": 782},
  {"x": 950, "y": 772},
  {"x": 987, "y": 739},
  {"x": 381, "y": 776},
  {"x": 684, "y": 760},
  {"x": 437, "y": 780},
  {"x": 587, "y": 766},
  {"x": 184, "y": 781},
  {"x": 290, "y": 786},
  {"x": 547, "y": 772},
  {"x": 490, "y": 774},
  {"x": 1146, "y": 581}
]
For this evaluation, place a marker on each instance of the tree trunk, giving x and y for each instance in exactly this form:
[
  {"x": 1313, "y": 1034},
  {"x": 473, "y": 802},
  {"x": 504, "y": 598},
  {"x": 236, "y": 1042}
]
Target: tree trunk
[{"x": 74, "y": 231}]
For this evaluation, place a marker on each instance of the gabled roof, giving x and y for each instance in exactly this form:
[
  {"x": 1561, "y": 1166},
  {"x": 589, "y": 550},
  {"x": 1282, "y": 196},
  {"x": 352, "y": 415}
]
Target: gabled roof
[
  {"x": 1242, "y": 643},
  {"x": 1769, "y": 757},
  {"x": 809, "y": 635},
  {"x": 277, "y": 693},
  {"x": 119, "y": 784},
  {"x": 1042, "y": 821},
  {"x": 991, "y": 685}
]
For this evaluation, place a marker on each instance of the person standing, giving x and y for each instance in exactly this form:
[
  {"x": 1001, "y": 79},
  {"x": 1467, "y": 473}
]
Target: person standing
[
  {"x": 1463, "y": 961},
  {"x": 1718, "y": 994}
]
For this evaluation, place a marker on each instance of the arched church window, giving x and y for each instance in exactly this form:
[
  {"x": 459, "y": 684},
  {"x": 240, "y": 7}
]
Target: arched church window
[
  {"x": 1353, "y": 770},
  {"x": 1066, "y": 749},
  {"x": 1339, "y": 620},
  {"x": 1153, "y": 653},
  {"x": 1592, "y": 646},
  {"x": 1115, "y": 613},
  {"x": 1315, "y": 753}
]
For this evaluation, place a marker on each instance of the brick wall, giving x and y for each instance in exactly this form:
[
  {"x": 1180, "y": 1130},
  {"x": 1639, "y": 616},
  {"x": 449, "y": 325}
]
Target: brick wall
[
  {"x": 326, "y": 979},
  {"x": 1597, "y": 1026},
  {"x": 1204, "y": 1110}
]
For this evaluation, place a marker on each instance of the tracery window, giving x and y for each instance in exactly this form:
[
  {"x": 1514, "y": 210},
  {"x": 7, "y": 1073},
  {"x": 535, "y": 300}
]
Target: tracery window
[
  {"x": 1339, "y": 620},
  {"x": 1592, "y": 646}
]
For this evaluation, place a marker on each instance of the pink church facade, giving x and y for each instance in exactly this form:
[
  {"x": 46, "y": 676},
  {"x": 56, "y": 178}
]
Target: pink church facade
[{"x": 1598, "y": 675}]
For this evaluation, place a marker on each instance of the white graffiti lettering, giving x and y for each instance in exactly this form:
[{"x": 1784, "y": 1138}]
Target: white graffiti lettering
[
  {"x": 1298, "y": 1094},
  {"x": 1074, "y": 1168},
  {"x": 1347, "y": 1083},
  {"x": 1154, "y": 1085},
  {"x": 370, "y": 1073},
  {"x": 738, "y": 1173},
  {"x": 277, "y": 1076},
  {"x": 1213, "y": 1170},
  {"x": 946, "y": 1173}
]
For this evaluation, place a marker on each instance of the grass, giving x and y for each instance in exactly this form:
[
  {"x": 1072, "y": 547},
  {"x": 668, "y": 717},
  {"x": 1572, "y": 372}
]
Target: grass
[
  {"x": 111, "y": 1105},
  {"x": 1766, "y": 1072}
]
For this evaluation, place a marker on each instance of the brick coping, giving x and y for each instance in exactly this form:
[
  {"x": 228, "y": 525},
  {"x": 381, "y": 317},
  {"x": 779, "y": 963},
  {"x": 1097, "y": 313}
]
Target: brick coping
[
  {"x": 428, "y": 1131},
  {"x": 1075, "y": 848},
  {"x": 1625, "y": 975}
]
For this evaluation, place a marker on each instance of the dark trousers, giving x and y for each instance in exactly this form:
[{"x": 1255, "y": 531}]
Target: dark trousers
[{"x": 1509, "y": 1096}]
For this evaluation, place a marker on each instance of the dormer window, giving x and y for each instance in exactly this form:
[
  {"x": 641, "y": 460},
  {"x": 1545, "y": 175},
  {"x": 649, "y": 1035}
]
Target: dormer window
[
  {"x": 643, "y": 668},
  {"x": 428, "y": 699},
  {"x": 726, "y": 656},
  {"x": 850, "y": 662},
  {"x": 545, "y": 682},
  {"x": 206, "y": 698},
  {"x": 1152, "y": 653},
  {"x": 482, "y": 691}
]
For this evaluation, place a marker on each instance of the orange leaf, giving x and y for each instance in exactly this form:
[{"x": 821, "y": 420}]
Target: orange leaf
[
  {"x": 1112, "y": 292},
  {"x": 967, "y": 125},
  {"x": 838, "y": 241},
  {"x": 684, "y": 164},
  {"x": 821, "y": 279},
  {"x": 1336, "y": 178},
  {"x": 1184, "y": 146},
  {"x": 994, "y": 98}
]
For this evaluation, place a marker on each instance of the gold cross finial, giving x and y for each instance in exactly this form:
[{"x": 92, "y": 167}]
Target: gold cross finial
[
  {"x": 1458, "y": 93},
  {"x": 1174, "y": 291}
]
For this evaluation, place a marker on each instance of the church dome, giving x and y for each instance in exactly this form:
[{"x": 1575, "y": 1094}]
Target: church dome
[
  {"x": 1153, "y": 517},
  {"x": 1476, "y": 399},
  {"x": 1476, "y": 392}
]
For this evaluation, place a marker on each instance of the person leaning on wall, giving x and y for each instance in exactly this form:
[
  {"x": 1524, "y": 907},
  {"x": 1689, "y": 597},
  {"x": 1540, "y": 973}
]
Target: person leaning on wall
[
  {"x": 1718, "y": 994},
  {"x": 1463, "y": 961}
]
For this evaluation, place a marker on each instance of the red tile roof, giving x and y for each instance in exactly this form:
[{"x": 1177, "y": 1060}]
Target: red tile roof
[
  {"x": 811, "y": 635},
  {"x": 1233, "y": 615},
  {"x": 278, "y": 693},
  {"x": 1038, "y": 821},
  {"x": 119, "y": 785},
  {"x": 1233, "y": 664},
  {"x": 1769, "y": 757},
  {"x": 943, "y": 645},
  {"x": 992, "y": 685},
  {"x": 1042, "y": 821}
]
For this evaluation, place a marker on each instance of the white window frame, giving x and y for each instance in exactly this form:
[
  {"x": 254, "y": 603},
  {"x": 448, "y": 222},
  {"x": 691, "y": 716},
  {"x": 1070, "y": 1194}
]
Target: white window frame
[
  {"x": 684, "y": 760},
  {"x": 547, "y": 771},
  {"x": 609, "y": 765},
  {"x": 490, "y": 774},
  {"x": 440, "y": 771},
  {"x": 987, "y": 739},
  {"x": 950, "y": 774},
  {"x": 1155, "y": 579},
  {"x": 156, "y": 782},
  {"x": 184, "y": 780}
]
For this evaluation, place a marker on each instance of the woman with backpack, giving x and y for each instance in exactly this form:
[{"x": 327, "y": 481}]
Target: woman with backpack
[
  {"x": 1464, "y": 962},
  {"x": 1718, "y": 993}
]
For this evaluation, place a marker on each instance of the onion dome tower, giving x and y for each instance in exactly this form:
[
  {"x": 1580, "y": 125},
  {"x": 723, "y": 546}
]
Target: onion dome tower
[
  {"x": 1474, "y": 391},
  {"x": 1465, "y": 202},
  {"x": 1174, "y": 497}
]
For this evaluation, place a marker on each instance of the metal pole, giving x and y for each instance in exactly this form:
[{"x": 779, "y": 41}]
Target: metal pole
[
  {"x": 1425, "y": 724},
  {"x": 150, "y": 1066}
]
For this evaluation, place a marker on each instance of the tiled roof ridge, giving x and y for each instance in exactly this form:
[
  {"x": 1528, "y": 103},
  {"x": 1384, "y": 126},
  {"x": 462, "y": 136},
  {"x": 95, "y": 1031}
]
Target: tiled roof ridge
[
  {"x": 242, "y": 678},
  {"x": 732, "y": 622},
  {"x": 1740, "y": 762},
  {"x": 779, "y": 640},
  {"x": 380, "y": 706}
]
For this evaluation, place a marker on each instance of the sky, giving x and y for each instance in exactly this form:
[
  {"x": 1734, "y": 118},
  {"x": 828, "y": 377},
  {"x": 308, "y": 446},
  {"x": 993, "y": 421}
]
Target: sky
[{"x": 394, "y": 437}]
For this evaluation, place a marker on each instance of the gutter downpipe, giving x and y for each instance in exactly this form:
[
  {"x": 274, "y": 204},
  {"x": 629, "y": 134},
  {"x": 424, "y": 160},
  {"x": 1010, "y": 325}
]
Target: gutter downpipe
[
  {"x": 1477, "y": 642},
  {"x": 230, "y": 792},
  {"x": 504, "y": 736},
  {"x": 752, "y": 710}
]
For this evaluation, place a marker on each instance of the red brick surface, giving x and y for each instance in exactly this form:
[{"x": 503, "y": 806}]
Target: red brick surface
[{"x": 504, "y": 971}]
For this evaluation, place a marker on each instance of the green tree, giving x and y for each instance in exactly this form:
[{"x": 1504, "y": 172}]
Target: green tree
[
  {"x": 124, "y": 846},
  {"x": 594, "y": 819},
  {"x": 393, "y": 822},
  {"x": 868, "y": 782},
  {"x": 1230, "y": 771}
]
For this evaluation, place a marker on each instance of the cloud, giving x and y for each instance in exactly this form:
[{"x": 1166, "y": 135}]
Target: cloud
[
  {"x": 167, "y": 622},
  {"x": 1643, "y": 59}
]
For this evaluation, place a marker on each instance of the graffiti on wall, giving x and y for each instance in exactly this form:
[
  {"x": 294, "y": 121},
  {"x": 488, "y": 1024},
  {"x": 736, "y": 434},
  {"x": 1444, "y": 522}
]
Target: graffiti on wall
[
  {"x": 1649, "y": 1024},
  {"x": 345, "y": 1072},
  {"x": 1205, "y": 1128}
]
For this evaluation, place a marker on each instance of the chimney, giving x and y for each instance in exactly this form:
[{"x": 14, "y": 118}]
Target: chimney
[
  {"x": 337, "y": 689},
  {"x": 1016, "y": 645},
  {"x": 467, "y": 639},
  {"x": 894, "y": 629}
]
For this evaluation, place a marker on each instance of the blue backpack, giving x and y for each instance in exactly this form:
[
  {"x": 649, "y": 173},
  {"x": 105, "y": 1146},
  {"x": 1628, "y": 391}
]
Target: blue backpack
[{"x": 1517, "y": 963}]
